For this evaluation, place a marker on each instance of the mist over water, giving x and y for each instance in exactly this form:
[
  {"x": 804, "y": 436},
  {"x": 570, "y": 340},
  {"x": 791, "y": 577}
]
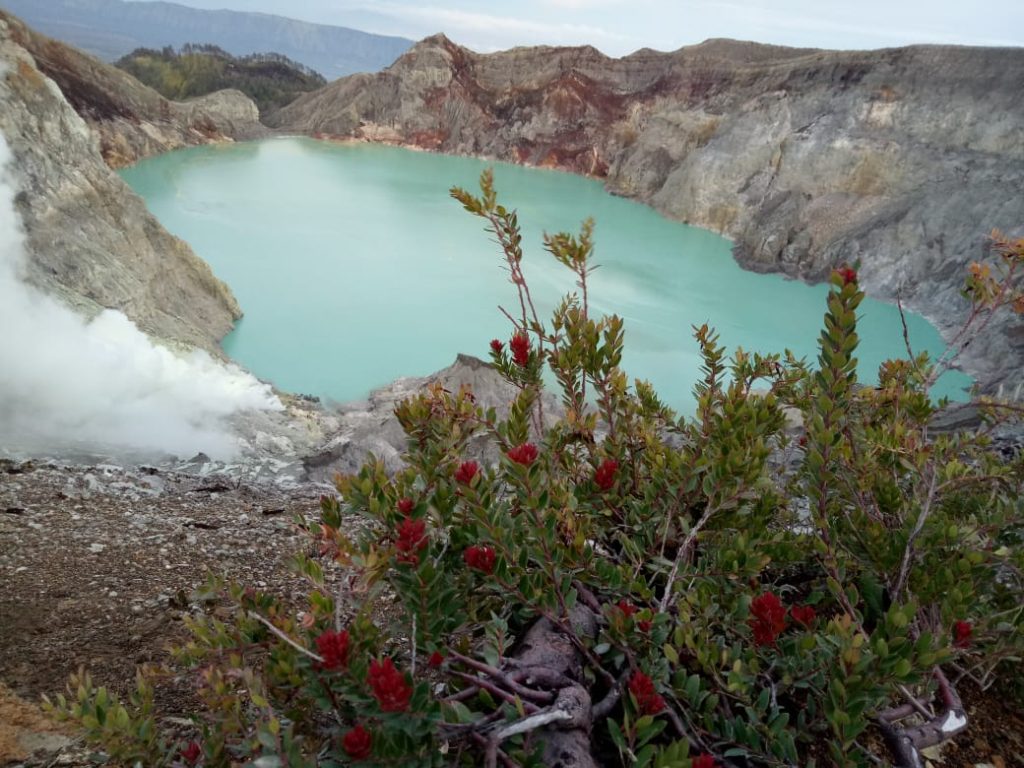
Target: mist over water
[
  {"x": 354, "y": 267},
  {"x": 101, "y": 386}
]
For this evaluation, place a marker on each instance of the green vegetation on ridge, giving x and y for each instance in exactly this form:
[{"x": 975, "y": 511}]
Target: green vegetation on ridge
[{"x": 270, "y": 79}]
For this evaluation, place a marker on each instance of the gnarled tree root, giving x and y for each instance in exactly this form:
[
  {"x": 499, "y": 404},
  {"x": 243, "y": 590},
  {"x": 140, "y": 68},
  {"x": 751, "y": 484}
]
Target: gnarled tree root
[
  {"x": 906, "y": 743},
  {"x": 546, "y": 669}
]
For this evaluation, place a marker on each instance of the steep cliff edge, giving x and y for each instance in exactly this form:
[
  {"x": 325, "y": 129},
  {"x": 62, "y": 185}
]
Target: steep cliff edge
[
  {"x": 91, "y": 240},
  {"x": 903, "y": 159}
]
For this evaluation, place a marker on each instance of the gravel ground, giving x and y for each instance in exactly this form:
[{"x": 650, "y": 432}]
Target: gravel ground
[{"x": 99, "y": 564}]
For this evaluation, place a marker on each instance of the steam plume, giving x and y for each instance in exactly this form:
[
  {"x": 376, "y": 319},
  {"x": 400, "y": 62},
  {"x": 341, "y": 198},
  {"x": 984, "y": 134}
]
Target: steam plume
[{"x": 103, "y": 385}]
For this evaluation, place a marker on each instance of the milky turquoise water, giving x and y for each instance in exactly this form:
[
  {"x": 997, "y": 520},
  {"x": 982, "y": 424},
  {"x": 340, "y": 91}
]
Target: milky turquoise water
[{"x": 354, "y": 267}]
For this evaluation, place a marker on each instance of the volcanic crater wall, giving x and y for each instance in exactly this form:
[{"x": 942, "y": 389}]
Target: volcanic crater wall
[{"x": 901, "y": 159}]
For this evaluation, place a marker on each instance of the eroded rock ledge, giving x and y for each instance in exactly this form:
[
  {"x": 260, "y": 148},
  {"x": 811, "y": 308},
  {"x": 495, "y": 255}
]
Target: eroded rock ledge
[
  {"x": 904, "y": 159},
  {"x": 68, "y": 118}
]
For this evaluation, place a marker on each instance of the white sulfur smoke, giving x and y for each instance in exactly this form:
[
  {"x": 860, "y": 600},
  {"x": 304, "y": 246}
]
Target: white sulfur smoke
[{"x": 103, "y": 385}]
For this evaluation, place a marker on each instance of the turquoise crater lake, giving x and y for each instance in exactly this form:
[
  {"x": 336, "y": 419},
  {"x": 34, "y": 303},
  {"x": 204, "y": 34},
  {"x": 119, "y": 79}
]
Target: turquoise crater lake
[{"x": 354, "y": 267}]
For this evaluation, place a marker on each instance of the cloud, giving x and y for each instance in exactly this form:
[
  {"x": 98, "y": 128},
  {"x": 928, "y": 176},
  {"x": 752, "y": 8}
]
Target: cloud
[
  {"x": 580, "y": 5},
  {"x": 486, "y": 29},
  {"x": 794, "y": 22},
  {"x": 103, "y": 386}
]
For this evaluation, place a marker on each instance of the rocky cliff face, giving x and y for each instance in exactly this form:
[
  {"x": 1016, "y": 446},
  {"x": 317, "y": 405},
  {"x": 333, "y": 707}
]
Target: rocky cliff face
[
  {"x": 132, "y": 120},
  {"x": 903, "y": 159},
  {"x": 91, "y": 240}
]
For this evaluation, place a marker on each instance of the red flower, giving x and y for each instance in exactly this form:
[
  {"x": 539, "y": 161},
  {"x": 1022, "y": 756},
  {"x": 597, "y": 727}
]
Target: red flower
[
  {"x": 333, "y": 648},
  {"x": 524, "y": 454},
  {"x": 520, "y": 346},
  {"x": 644, "y": 625},
  {"x": 803, "y": 614},
  {"x": 627, "y": 608},
  {"x": 358, "y": 743},
  {"x": 405, "y": 506},
  {"x": 191, "y": 753},
  {"x": 962, "y": 634},
  {"x": 480, "y": 558},
  {"x": 389, "y": 686},
  {"x": 436, "y": 659},
  {"x": 647, "y": 699},
  {"x": 604, "y": 475},
  {"x": 703, "y": 761},
  {"x": 847, "y": 274},
  {"x": 496, "y": 346},
  {"x": 768, "y": 618},
  {"x": 411, "y": 539},
  {"x": 466, "y": 472}
]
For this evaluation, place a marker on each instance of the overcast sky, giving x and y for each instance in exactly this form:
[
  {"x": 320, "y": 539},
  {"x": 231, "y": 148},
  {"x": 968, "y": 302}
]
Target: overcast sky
[{"x": 621, "y": 26}]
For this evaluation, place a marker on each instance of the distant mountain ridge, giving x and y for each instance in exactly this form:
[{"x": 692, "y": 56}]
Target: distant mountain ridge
[{"x": 111, "y": 29}]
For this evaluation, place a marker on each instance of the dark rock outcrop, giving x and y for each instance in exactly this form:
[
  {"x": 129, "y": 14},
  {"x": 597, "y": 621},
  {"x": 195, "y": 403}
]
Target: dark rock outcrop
[{"x": 903, "y": 159}]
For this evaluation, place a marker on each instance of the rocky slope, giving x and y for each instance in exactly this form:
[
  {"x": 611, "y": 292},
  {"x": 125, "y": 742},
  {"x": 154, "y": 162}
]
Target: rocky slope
[
  {"x": 91, "y": 241},
  {"x": 134, "y": 121},
  {"x": 903, "y": 159}
]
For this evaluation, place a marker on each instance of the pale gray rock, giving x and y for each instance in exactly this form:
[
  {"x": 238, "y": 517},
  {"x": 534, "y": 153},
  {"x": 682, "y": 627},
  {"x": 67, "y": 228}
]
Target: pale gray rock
[{"x": 371, "y": 427}]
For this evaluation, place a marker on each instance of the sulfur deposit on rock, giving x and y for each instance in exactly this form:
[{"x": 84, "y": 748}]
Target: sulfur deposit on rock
[
  {"x": 903, "y": 159},
  {"x": 91, "y": 240}
]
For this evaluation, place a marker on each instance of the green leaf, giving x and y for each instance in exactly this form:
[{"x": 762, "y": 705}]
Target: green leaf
[{"x": 617, "y": 738}]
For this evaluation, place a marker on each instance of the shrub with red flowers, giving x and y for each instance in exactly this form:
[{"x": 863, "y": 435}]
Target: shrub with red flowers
[
  {"x": 626, "y": 608},
  {"x": 411, "y": 539},
  {"x": 466, "y": 472},
  {"x": 847, "y": 274},
  {"x": 604, "y": 475},
  {"x": 767, "y": 618},
  {"x": 333, "y": 649},
  {"x": 389, "y": 686},
  {"x": 803, "y": 614},
  {"x": 524, "y": 454},
  {"x": 358, "y": 743},
  {"x": 480, "y": 558},
  {"x": 648, "y": 700},
  {"x": 520, "y": 346},
  {"x": 191, "y": 753},
  {"x": 962, "y": 631},
  {"x": 625, "y": 585}
]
